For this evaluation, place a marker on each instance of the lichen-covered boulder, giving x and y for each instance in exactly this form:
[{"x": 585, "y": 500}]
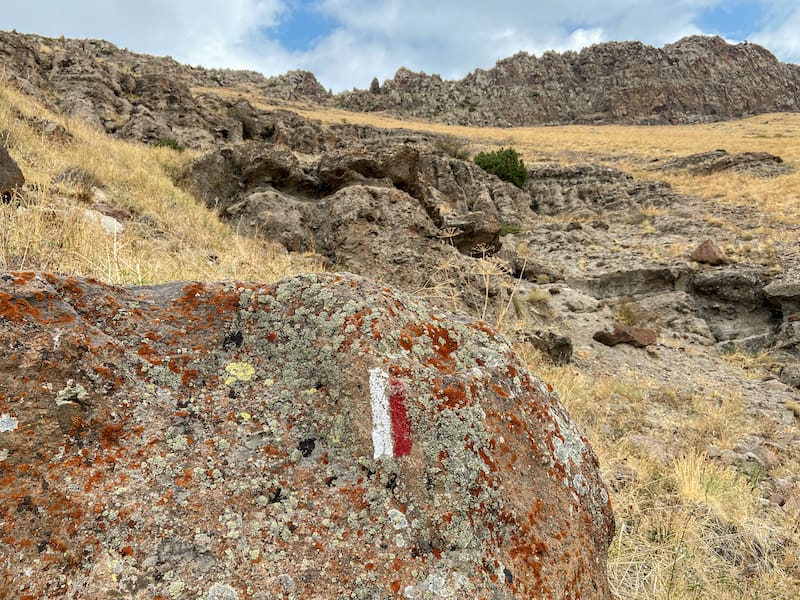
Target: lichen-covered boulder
[{"x": 322, "y": 437}]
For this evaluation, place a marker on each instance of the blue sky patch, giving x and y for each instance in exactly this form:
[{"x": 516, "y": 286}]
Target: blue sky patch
[
  {"x": 733, "y": 19},
  {"x": 301, "y": 26}
]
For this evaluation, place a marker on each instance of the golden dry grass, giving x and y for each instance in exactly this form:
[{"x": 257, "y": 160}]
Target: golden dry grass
[
  {"x": 688, "y": 527},
  {"x": 171, "y": 236}
]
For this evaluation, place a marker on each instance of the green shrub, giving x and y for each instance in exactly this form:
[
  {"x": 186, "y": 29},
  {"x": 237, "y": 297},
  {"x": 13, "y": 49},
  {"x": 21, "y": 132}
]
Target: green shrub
[{"x": 505, "y": 163}]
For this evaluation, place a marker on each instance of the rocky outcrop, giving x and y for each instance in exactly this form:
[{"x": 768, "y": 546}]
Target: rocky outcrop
[
  {"x": 11, "y": 177},
  {"x": 320, "y": 436},
  {"x": 145, "y": 98},
  {"x": 760, "y": 164},
  {"x": 557, "y": 189},
  {"x": 696, "y": 79},
  {"x": 619, "y": 333},
  {"x": 393, "y": 186}
]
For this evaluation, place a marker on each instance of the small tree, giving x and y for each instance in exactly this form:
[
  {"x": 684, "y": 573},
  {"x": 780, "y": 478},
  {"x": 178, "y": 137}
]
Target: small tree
[{"x": 505, "y": 163}]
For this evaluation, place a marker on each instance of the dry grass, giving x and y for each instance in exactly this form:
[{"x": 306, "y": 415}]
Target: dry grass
[
  {"x": 688, "y": 527},
  {"x": 170, "y": 236}
]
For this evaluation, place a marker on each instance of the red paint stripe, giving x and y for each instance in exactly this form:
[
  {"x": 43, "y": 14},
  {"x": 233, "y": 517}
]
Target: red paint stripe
[{"x": 401, "y": 425}]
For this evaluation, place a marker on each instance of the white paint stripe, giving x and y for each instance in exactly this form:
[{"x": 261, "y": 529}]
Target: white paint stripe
[{"x": 381, "y": 421}]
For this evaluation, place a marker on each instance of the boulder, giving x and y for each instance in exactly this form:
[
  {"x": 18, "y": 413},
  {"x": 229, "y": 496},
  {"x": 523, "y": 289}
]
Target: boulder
[
  {"x": 11, "y": 178},
  {"x": 709, "y": 253},
  {"x": 619, "y": 333},
  {"x": 323, "y": 436}
]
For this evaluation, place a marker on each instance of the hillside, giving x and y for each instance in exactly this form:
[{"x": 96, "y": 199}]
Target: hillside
[
  {"x": 695, "y": 80},
  {"x": 693, "y": 414}
]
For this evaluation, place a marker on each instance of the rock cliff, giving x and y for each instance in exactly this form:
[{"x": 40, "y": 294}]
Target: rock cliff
[{"x": 693, "y": 80}]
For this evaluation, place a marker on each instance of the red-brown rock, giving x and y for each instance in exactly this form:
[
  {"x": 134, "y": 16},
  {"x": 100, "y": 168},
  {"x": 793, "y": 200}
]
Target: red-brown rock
[
  {"x": 709, "y": 253},
  {"x": 619, "y": 333},
  {"x": 322, "y": 437}
]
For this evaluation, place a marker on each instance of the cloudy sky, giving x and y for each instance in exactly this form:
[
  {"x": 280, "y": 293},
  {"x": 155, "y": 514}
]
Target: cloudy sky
[{"x": 345, "y": 43}]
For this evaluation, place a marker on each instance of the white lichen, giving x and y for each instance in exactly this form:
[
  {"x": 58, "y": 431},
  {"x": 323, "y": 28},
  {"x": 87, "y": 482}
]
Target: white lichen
[{"x": 8, "y": 423}]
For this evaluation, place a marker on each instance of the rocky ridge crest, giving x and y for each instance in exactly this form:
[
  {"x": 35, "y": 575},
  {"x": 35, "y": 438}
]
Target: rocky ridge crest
[{"x": 696, "y": 79}]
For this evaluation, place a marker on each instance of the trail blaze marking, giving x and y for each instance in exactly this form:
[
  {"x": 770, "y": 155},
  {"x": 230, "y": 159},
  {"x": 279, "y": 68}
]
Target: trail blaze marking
[{"x": 391, "y": 427}]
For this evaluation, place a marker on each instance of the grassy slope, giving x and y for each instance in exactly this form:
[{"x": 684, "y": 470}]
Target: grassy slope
[
  {"x": 686, "y": 528},
  {"x": 170, "y": 236}
]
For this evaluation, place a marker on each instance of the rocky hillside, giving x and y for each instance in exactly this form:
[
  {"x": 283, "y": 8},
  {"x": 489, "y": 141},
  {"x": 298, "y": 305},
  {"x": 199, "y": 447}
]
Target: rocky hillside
[
  {"x": 137, "y": 96},
  {"x": 210, "y": 438},
  {"x": 154, "y": 99},
  {"x": 693, "y": 80}
]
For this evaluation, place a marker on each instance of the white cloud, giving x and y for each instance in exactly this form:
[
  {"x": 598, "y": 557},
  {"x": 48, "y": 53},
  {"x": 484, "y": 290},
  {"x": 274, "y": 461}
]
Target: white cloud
[{"x": 780, "y": 31}]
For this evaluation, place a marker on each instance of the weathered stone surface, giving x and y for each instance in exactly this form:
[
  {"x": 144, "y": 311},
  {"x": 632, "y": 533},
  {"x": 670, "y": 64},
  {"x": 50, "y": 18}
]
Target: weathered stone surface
[
  {"x": 557, "y": 346},
  {"x": 708, "y": 252},
  {"x": 556, "y": 189},
  {"x": 737, "y": 285},
  {"x": 11, "y": 177},
  {"x": 140, "y": 97},
  {"x": 760, "y": 164},
  {"x": 619, "y": 333},
  {"x": 785, "y": 294},
  {"x": 693, "y": 80},
  {"x": 319, "y": 437}
]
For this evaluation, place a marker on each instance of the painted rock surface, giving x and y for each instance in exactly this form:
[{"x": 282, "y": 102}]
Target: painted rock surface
[{"x": 322, "y": 437}]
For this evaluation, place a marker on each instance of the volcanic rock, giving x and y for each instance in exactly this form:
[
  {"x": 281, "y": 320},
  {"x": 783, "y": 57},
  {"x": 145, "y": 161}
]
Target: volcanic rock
[
  {"x": 11, "y": 177},
  {"x": 319, "y": 437},
  {"x": 760, "y": 164},
  {"x": 619, "y": 333},
  {"x": 696, "y": 79},
  {"x": 708, "y": 253}
]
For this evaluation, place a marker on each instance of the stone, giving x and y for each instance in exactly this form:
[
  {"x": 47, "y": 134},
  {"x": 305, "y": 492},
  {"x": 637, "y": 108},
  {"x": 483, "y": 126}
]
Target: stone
[
  {"x": 738, "y": 285},
  {"x": 555, "y": 345},
  {"x": 790, "y": 375},
  {"x": 108, "y": 224},
  {"x": 709, "y": 253},
  {"x": 323, "y": 436},
  {"x": 785, "y": 294},
  {"x": 760, "y": 164},
  {"x": 11, "y": 177},
  {"x": 619, "y": 333}
]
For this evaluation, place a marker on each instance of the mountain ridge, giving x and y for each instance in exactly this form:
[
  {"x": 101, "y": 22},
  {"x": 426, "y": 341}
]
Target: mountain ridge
[{"x": 696, "y": 79}]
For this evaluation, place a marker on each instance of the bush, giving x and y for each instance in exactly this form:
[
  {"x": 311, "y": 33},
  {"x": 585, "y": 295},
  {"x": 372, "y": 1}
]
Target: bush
[{"x": 505, "y": 163}]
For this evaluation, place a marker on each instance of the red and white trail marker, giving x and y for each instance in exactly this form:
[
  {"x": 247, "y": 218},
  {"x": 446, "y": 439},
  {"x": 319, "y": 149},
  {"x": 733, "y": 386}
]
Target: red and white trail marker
[{"x": 391, "y": 428}]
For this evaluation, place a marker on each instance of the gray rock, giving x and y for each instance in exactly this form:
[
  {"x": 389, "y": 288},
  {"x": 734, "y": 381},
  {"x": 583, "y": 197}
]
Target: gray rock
[
  {"x": 11, "y": 177},
  {"x": 693, "y": 80},
  {"x": 785, "y": 294},
  {"x": 281, "y": 427}
]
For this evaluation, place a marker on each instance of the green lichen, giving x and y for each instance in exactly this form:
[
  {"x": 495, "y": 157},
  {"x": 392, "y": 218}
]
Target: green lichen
[
  {"x": 72, "y": 393},
  {"x": 239, "y": 371}
]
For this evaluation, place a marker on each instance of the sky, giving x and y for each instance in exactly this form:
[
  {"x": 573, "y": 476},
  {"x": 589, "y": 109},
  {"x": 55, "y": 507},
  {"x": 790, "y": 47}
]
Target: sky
[{"x": 346, "y": 43}]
